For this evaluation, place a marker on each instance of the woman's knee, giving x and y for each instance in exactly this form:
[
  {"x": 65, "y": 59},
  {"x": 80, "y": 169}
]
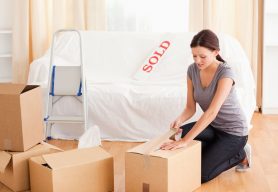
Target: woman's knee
[
  {"x": 205, "y": 179},
  {"x": 186, "y": 128},
  {"x": 207, "y": 176},
  {"x": 205, "y": 173}
]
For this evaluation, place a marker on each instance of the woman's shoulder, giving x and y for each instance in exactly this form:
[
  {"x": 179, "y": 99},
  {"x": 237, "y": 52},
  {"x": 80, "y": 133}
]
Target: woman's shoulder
[
  {"x": 225, "y": 65},
  {"x": 225, "y": 69},
  {"x": 191, "y": 70},
  {"x": 192, "y": 67}
]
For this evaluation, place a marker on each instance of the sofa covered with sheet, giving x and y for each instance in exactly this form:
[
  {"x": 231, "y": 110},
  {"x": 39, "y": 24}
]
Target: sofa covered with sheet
[{"x": 136, "y": 82}]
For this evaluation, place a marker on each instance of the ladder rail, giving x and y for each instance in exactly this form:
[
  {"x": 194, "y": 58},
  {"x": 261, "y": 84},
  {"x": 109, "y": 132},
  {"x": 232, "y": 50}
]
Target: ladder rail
[{"x": 84, "y": 91}]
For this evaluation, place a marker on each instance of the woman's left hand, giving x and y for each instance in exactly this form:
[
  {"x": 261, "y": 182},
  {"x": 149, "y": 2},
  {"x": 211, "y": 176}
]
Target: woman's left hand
[{"x": 172, "y": 145}]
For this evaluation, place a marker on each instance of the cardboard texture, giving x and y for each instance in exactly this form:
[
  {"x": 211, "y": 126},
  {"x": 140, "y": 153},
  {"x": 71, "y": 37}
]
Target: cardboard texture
[
  {"x": 82, "y": 170},
  {"x": 21, "y": 118},
  {"x": 163, "y": 170},
  {"x": 14, "y": 166}
]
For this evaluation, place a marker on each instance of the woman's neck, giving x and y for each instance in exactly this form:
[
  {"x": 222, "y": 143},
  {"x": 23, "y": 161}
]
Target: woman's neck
[{"x": 212, "y": 67}]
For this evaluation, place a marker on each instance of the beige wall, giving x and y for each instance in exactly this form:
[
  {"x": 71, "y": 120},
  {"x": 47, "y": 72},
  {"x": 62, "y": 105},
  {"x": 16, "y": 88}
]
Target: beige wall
[{"x": 260, "y": 56}]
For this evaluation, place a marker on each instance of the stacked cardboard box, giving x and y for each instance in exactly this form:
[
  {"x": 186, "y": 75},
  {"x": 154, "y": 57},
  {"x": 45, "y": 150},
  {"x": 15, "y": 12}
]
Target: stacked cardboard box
[
  {"x": 21, "y": 118},
  {"x": 21, "y": 133},
  {"x": 14, "y": 169}
]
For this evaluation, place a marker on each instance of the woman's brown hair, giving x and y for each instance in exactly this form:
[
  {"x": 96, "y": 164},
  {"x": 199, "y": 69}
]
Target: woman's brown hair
[{"x": 208, "y": 39}]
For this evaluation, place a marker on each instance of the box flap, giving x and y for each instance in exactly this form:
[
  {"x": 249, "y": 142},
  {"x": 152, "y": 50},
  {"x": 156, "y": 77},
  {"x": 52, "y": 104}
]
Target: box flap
[
  {"x": 160, "y": 153},
  {"x": 29, "y": 87},
  {"x": 75, "y": 157},
  {"x": 11, "y": 89},
  {"x": 42, "y": 146},
  {"x": 152, "y": 147},
  {"x": 169, "y": 153},
  {"x": 51, "y": 146},
  {"x": 4, "y": 160}
]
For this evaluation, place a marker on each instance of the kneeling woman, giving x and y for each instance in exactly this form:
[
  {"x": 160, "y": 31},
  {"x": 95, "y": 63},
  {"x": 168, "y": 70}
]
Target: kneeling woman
[{"x": 222, "y": 128}]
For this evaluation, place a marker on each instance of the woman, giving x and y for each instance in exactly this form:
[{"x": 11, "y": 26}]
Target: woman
[{"x": 222, "y": 128}]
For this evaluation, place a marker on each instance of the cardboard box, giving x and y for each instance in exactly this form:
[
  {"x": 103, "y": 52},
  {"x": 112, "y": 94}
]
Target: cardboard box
[
  {"x": 149, "y": 169},
  {"x": 21, "y": 118},
  {"x": 14, "y": 167},
  {"x": 82, "y": 170}
]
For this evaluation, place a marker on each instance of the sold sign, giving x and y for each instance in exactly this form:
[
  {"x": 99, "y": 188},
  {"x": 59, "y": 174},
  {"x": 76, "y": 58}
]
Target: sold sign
[{"x": 156, "y": 56}]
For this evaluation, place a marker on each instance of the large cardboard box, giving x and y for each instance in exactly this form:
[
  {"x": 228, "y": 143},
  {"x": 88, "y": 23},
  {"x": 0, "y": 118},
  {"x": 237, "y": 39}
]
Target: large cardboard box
[
  {"x": 21, "y": 118},
  {"x": 82, "y": 170},
  {"x": 14, "y": 167},
  {"x": 149, "y": 169}
]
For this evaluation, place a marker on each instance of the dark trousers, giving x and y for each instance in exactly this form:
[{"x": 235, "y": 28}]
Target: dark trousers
[{"x": 220, "y": 150}]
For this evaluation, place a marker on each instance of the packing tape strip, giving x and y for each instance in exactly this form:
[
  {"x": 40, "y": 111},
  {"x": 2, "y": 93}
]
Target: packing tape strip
[{"x": 155, "y": 145}]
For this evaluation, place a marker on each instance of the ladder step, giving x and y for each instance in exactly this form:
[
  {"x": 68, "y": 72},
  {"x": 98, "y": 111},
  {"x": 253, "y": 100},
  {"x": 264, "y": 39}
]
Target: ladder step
[{"x": 65, "y": 119}]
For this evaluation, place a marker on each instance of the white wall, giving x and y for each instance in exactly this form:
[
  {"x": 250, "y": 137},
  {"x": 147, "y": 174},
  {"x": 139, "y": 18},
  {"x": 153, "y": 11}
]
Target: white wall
[
  {"x": 6, "y": 14},
  {"x": 6, "y": 21},
  {"x": 270, "y": 55}
]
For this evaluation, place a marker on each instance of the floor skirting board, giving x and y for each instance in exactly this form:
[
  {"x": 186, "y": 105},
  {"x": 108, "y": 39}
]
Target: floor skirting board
[{"x": 270, "y": 110}]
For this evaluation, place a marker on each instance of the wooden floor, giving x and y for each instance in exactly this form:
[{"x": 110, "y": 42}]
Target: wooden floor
[{"x": 263, "y": 176}]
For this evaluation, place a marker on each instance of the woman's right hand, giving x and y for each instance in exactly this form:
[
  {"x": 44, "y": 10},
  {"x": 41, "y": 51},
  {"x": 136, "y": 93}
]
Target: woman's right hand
[{"x": 176, "y": 125}]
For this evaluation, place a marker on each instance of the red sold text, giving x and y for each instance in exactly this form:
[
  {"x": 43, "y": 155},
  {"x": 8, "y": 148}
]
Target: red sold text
[{"x": 156, "y": 56}]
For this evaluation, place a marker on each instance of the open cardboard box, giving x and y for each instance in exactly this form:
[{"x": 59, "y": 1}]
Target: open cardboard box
[
  {"x": 149, "y": 169},
  {"x": 86, "y": 170},
  {"x": 14, "y": 169},
  {"x": 21, "y": 118}
]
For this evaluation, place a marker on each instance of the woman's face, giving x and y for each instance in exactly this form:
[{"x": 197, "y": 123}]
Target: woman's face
[{"x": 203, "y": 57}]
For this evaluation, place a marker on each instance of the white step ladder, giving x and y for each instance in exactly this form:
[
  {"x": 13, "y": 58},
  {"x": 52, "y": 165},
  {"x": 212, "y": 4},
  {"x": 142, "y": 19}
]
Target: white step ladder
[{"x": 65, "y": 81}]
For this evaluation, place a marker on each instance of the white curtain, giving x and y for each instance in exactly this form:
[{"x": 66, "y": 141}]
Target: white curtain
[
  {"x": 148, "y": 15},
  {"x": 36, "y": 20},
  {"x": 239, "y": 18}
]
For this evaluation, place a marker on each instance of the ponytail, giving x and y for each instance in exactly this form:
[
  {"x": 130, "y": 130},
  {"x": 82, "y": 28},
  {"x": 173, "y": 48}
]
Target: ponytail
[{"x": 219, "y": 58}]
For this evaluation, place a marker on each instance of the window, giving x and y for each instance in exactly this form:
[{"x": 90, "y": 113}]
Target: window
[{"x": 148, "y": 15}]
